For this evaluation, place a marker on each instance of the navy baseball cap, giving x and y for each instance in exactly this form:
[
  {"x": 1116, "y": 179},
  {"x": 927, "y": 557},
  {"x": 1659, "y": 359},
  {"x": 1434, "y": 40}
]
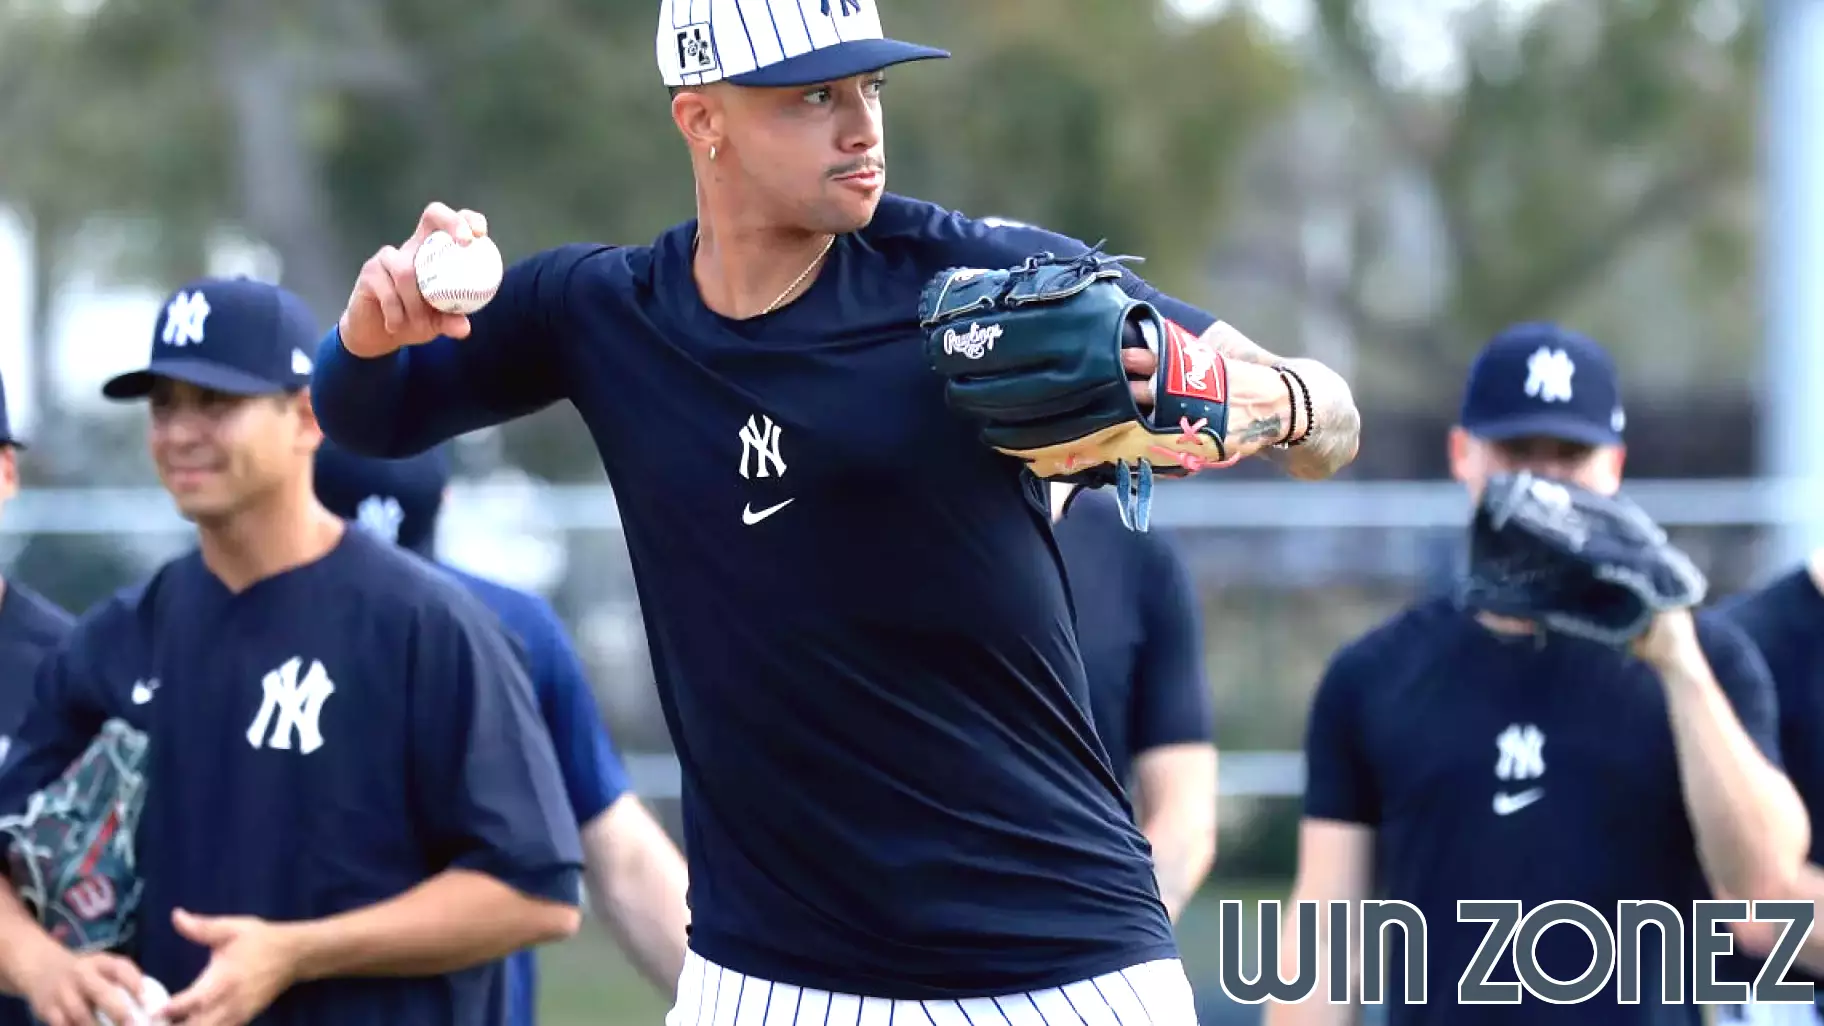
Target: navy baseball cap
[
  {"x": 233, "y": 335},
  {"x": 1542, "y": 380},
  {"x": 399, "y": 500},
  {"x": 6, "y": 425},
  {"x": 776, "y": 42}
]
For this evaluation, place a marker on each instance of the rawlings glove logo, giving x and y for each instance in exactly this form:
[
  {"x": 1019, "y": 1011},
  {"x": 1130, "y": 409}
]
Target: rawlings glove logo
[{"x": 972, "y": 344}]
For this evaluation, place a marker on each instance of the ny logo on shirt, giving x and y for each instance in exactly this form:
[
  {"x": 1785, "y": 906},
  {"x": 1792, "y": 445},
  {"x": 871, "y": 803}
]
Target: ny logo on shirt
[
  {"x": 184, "y": 319},
  {"x": 1521, "y": 749},
  {"x": 846, "y": 7},
  {"x": 760, "y": 445},
  {"x": 296, "y": 704},
  {"x": 1548, "y": 375}
]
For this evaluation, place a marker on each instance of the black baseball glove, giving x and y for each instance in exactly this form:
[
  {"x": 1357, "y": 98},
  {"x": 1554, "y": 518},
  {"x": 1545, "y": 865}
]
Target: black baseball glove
[
  {"x": 1573, "y": 561},
  {"x": 71, "y": 851},
  {"x": 1033, "y": 354}
]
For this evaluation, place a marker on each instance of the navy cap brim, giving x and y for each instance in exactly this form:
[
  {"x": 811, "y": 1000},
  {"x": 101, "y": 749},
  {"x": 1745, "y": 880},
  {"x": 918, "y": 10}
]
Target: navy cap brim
[
  {"x": 1544, "y": 425},
  {"x": 843, "y": 60},
  {"x": 138, "y": 384}
]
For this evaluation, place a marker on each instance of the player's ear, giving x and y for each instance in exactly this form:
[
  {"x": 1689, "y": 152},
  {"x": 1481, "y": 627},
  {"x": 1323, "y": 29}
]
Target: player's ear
[
  {"x": 1610, "y": 459},
  {"x": 698, "y": 116},
  {"x": 9, "y": 472},
  {"x": 1461, "y": 451},
  {"x": 310, "y": 433}
]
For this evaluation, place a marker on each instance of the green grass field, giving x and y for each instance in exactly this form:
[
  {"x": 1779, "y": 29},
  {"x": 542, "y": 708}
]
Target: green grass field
[{"x": 586, "y": 982}]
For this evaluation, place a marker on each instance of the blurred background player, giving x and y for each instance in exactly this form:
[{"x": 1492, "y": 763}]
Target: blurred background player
[
  {"x": 353, "y": 811},
  {"x": 1785, "y": 620},
  {"x": 1140, "y": 629},
  {"x": 1453, "y": 755},
  {"x": 31, "y": 626},
  {"x": 635, "y": 875}
]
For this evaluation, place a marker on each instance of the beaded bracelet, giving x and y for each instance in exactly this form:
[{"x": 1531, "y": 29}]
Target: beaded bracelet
[{"x": 1290, "y": 375}]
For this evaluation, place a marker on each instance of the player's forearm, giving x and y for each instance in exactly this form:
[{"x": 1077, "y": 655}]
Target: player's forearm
[
  {"x": 25, "y": 949},
  {"x": 389, "y": 407},
  {"x": 1335, "y": 426},
  {"x": 637, "y": 886},
  {"x": 452, "y": 921},
  {"x": 1184, "y": 848},
  {"x": 1752, "y": 831}
]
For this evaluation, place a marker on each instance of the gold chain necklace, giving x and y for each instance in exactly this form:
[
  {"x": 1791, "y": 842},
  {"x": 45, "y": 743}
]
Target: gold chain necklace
[
  {"x": 806, "y": 273},
  {"x": 789, "y": 289}
]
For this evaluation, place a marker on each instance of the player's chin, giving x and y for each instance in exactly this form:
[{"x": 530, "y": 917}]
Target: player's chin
[{"x": 849, "y": 209}]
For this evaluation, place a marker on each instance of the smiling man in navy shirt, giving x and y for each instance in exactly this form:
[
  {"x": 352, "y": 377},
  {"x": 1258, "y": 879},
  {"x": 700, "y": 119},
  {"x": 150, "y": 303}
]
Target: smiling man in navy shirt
[
  {"x": 1457, "y": 756},
  {"x": 635, "y": 874},
  {"x": 31, "y": 626},
  {"x": 1140, "y": 630},
  {"x": 353, "y": 811},
  {"x": 895, "y": 806}
]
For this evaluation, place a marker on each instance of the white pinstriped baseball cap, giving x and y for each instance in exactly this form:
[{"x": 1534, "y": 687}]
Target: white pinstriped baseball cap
[{"x": 775, "y": 42}]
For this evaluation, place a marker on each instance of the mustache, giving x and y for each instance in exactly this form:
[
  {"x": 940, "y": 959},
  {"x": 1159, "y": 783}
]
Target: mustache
[{"x": 857, "y": 167}]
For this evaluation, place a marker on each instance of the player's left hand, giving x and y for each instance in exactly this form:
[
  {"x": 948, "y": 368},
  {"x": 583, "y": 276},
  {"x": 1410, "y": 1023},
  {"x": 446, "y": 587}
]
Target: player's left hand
[{"x": 250, "y": 965}]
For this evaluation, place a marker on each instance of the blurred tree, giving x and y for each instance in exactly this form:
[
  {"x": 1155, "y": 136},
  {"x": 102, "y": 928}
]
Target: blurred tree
[{"x": 1584, "y": 161}]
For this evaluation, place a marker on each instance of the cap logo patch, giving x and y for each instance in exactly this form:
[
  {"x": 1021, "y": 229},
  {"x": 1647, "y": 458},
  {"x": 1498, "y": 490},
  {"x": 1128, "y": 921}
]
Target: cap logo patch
[
  {"x": 696, "y": 49},
  {"x": 184, "y": 319},
  {"x": 1548, "y": 375}
]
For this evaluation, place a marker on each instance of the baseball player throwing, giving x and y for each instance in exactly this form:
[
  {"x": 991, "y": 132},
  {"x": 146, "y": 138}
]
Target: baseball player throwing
[{"x": 895, "y": 810}]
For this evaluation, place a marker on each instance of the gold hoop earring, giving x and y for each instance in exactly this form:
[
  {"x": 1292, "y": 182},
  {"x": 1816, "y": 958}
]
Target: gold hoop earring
[{"x": 712, "y": 153}]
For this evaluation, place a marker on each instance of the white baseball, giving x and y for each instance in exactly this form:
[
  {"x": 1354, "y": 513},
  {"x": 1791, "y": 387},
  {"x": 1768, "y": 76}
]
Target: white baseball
[
  {"x": 153, "y": 997},
  {"x": 454, "y": 278}
]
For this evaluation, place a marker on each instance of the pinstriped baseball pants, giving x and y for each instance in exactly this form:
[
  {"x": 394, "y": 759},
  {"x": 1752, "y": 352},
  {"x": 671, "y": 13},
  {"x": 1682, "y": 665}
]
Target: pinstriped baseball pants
[{"x": 1149, "y": 994}]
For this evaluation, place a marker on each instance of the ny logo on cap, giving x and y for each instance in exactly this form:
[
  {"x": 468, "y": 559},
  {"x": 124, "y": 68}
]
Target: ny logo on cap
[
  {"x": 184, "y": 319},
  {"x": 1548, "y": 375},
  {"x": 846, "y": 7}
]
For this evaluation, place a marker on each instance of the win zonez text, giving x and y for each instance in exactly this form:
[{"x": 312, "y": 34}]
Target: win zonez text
[{"x": 1511, "y": 937}]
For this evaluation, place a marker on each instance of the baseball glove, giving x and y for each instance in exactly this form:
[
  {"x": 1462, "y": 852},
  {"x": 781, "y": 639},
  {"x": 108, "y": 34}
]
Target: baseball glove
[
  {"x": 1574, "y": 561},
  {"x": 71, "y": 852},
  {"x": 1033, "y": 353}
]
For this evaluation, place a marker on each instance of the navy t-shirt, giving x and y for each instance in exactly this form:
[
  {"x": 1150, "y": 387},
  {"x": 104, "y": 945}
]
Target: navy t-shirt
[
  {"x": 854, "y": 608},
  {"x": 1497, "y": 767},
  {"x": 1785, "y": 620},
  {"x": 1139, "y": 629},
  {"x": 593, "y": 775},
  {"x": 31, "y": 627},
  {"x": 402, "y": 740}
]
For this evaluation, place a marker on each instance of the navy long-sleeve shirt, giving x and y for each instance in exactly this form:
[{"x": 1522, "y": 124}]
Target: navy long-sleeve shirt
[{"x": 856, "y": 611}]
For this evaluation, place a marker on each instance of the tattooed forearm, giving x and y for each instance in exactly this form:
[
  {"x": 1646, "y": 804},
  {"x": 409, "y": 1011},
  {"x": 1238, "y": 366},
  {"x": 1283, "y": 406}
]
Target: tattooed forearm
[
  {"x": 1334, "y": 434},
  {"x": 1265, "y": 429}
]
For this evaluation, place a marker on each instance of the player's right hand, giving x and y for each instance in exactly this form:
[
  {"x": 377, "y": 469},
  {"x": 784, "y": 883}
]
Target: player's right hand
[
  {"x": 386, "y": 311},
  {"x": 72, "y": 988}
]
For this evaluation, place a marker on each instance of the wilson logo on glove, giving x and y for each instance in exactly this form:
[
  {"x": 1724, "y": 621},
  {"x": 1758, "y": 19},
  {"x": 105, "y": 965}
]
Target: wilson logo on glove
[
  {"x": 71, "y": 854},
  {"x": 1196, "y": 369},
  {"x": 974, "y": 343}
]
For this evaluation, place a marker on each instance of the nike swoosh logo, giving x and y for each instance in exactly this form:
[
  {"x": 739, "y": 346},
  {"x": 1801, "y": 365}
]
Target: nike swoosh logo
[
  {"x": 1508, "y": 804},
  {"x": 751, "y": 516}
]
